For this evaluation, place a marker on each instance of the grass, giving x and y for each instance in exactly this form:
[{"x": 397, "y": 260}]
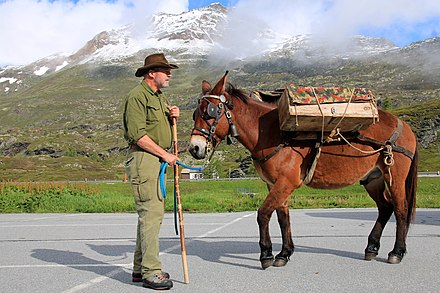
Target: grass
[{"x": 197, "y": 197}]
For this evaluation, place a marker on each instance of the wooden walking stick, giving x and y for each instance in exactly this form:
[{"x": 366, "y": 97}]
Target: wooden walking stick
[{"x": 179, "y": 205}]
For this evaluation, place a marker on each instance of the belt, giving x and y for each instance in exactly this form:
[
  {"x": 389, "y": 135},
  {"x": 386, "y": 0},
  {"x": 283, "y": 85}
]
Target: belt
[{"x": 135, "y": 147}]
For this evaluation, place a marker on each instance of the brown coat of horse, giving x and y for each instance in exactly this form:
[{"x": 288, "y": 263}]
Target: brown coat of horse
[{"x": 224, "y": 109}]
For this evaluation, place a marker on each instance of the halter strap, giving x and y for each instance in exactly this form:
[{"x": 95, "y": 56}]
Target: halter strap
[
  {"x": 221, "y": 98},
  {"x": 223, "y": 108}
]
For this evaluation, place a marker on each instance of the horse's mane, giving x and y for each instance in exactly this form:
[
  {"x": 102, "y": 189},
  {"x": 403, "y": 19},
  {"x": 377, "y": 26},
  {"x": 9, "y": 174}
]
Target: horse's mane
[{"x": 233, "y": 91}]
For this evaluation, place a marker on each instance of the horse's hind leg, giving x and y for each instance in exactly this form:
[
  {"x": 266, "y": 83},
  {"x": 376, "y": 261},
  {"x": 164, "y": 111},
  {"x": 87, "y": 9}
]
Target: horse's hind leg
[
  {"x": 400, "y": 212},
  {"x": 385, "y": 212},
  {"x": 403, "y": 191},
  {"x": 389, "y": 197},
  {"x": 375, "y": 187},
  {"x": 288, "y": 247}
]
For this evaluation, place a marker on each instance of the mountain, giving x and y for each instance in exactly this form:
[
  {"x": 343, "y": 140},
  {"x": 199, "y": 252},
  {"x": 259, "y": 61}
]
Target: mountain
[
  {"x": 61, "y": 115},
  {"x": 187, "y": 37}
]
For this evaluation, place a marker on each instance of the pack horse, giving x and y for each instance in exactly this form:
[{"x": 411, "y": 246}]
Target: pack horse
[{"x": 283, "y": 165}]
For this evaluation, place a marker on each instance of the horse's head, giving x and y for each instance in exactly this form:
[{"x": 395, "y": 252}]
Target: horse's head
[{"x": 212, "y": 118}]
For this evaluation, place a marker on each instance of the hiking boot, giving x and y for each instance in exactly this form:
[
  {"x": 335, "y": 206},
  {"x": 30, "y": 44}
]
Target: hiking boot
[
  {"x": 137, "y": 277},
  {"x": 157, "y": 282}
]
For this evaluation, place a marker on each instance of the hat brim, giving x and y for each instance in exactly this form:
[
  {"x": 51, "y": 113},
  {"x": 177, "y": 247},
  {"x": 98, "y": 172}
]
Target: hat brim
[{"x": 141, "y": 71}]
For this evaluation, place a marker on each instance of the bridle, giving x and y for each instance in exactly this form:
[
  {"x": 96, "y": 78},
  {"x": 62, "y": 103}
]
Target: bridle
[{"x": 215, "y": 112}]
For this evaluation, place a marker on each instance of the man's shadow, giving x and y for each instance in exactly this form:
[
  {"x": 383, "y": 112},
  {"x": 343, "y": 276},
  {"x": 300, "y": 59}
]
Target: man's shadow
[
  {"x": 228, "y": 252},
  {"x": 78, "y": 261}
]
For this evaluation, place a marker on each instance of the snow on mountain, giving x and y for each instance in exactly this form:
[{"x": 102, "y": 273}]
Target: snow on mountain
[
  {"x": 192, "y": 35},
  {"x": 309, "y": 48},
  {"x": 192, "y": 32}
]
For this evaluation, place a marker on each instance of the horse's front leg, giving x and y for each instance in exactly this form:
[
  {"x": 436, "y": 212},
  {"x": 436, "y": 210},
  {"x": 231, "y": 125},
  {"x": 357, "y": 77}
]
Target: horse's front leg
[
  {"x": 275, "y": 200},
  {"x": 288, "y": 247},
  {"x": 266, "y": 256}
]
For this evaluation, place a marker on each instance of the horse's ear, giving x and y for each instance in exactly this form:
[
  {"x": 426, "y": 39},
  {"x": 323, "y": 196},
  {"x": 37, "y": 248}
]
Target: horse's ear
[
  {"x": 206, "y": 87},
  {"x": 220, "y": 86}
]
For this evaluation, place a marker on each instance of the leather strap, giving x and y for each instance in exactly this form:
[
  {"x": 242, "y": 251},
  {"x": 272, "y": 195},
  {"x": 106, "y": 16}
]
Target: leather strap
[
  {"x": 270, "y": 155},
  {"x": 391, "y": 141}
]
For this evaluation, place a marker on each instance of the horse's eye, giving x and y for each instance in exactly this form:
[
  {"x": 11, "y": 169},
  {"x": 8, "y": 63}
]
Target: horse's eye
[{"x": 194, "y": 115}]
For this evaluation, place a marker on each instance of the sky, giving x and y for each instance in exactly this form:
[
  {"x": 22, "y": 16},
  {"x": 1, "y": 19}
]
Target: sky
[{"x": 33, "y": 29}]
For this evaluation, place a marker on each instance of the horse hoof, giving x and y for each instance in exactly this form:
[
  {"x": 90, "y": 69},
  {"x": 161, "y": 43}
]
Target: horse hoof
[
  {"x": 370, "y": 255},
  {"x": 394, "y": 258},
  {"x": 280, "y": 262},
  {"x": 265, "y": 263}
]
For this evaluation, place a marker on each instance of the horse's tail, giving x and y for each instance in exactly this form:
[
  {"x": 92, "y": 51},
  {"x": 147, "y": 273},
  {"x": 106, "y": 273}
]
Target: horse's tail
[{"x": 410, "y": 189}]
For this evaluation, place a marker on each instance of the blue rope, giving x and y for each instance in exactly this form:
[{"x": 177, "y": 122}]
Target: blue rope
[{"x": 163, "y": 170}]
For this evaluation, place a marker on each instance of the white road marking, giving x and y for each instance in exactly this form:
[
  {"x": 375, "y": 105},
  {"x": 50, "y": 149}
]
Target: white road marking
[{"x": 120, "y": 267}]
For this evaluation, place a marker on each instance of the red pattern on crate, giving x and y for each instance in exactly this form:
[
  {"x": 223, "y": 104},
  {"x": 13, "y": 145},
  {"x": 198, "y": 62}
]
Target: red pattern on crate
[{"x": 313, "y": 95}]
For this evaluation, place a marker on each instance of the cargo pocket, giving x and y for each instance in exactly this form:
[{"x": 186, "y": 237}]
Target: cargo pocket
[
  {"x": 144, "y": 176},
  {"x": 143, "y": 190},
  {"x": 139, "y": 182}
]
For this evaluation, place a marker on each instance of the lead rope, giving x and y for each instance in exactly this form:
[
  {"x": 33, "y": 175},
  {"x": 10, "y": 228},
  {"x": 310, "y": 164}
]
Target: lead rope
[{"x": 163, "y": 170}]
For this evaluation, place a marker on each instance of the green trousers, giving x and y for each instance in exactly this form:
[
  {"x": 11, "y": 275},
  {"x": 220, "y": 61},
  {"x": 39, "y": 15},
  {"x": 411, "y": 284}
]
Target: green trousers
[{"x": 143, "y": 173}]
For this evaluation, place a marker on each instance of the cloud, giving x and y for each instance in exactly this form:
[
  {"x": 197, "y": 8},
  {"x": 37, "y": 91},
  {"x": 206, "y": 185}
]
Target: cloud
[
  {"x": 333, "y": 17},
  {"x": 251, "y": 19},
  {"x": 32, "y": 29},
  {"x": 377, "y": 17},
  {"x": 330, "y": 21}
]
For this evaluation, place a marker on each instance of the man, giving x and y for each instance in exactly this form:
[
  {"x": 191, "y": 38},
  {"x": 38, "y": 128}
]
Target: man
[{"x": 147, "y": 129}]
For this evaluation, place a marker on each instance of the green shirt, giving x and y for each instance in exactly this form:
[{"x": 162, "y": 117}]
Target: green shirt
[{"x": 145, "y": 113}]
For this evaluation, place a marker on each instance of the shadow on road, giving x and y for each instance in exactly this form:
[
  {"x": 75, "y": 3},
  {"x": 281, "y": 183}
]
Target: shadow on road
[
  {"x": 228, "y": 252},
  {"x": 78, "y": 261},
  {"x": 424, "y": 217}
]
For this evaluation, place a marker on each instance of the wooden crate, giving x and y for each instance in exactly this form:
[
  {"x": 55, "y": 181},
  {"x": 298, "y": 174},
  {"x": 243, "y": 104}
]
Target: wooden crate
[{"x": 301, "y": 117}]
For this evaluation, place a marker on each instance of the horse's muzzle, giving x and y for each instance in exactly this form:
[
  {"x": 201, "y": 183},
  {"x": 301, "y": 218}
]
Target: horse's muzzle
[{"x": 197, "y": 147}]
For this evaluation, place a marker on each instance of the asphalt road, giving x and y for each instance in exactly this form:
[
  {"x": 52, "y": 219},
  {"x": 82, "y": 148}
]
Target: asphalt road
[{"x": 93, "y": 253}]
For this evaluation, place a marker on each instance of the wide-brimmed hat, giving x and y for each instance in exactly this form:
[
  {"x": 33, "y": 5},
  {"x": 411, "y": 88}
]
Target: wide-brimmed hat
[{"x": 154, "y": 61}]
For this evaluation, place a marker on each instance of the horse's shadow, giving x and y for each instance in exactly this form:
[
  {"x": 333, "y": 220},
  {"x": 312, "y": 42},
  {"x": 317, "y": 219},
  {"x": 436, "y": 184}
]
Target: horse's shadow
[
  {"x": 226, "y": 251},
  {"x": 423, "y": 217},
  {"x": 229, "y": 252}
]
